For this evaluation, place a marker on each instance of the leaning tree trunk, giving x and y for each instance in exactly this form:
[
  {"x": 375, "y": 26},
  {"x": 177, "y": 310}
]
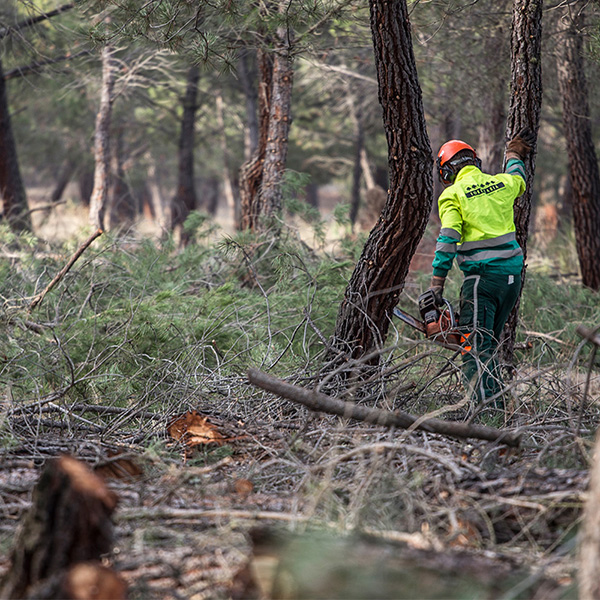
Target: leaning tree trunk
[
  {"x": 185, "y": 200},
  {"x": 378, "y": 278},
  {"x": 583, "y": 162},
  {"x": 524, "y": 111},
  {"x": 102, "y": 140},
  {"x": 12, "y": 190}
]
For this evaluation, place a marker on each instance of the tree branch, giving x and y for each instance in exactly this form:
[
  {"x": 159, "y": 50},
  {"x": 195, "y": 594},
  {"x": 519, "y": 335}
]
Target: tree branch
[
  {"x": 320, "y": 402},
  {"x": 34, "y": 20},
  {"x": 36, "y": 67},
  {"x": 37, "y": 299}
]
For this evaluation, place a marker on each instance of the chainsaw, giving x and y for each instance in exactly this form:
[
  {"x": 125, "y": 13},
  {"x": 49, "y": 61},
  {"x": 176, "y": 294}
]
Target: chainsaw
[{"x": 438, "y": 322}]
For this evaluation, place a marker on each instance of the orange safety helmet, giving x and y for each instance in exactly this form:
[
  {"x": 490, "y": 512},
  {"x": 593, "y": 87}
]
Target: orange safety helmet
[{"x": 449, "y": 150}]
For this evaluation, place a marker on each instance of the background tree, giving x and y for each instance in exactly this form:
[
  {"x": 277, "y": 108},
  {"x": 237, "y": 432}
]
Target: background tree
[
  {"x": 524, "y": 111},
  {"x": 584, "y": 175},
  {"x": 378, "y": 278},
  {"x": 12, "y": 190},
  {"x": 102, "y": 139},
  {"x": 185, "y": 200}
]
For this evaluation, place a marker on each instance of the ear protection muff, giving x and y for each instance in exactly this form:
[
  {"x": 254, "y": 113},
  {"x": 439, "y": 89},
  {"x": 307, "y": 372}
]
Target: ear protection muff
[{"x": 446, "y": 172}]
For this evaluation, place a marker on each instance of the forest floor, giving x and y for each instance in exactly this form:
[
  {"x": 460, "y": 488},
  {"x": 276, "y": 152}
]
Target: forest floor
[
  {"x": 274, "y": 501},
  {"x": 304, "y": 506}
]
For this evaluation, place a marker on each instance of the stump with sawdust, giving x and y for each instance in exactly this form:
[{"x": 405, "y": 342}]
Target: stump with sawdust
[{"x": 69, "y": 523}]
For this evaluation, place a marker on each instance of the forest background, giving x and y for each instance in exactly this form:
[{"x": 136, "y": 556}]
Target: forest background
[{"x": 146, "y": 120}]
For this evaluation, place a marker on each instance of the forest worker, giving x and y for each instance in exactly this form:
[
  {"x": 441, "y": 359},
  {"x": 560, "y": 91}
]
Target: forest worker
[{"x": 477, "y": 227}]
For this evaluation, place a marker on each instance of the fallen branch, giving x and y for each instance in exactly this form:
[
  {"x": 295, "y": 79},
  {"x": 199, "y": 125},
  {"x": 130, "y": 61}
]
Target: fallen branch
[
  {"x": 38, "y": 299},
  {"x": 322, "y": 403},
  {"x": 162, "y": 513}
]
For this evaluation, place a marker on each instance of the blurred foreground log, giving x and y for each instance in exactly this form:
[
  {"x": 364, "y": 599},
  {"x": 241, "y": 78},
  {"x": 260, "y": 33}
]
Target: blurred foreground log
[
  {"x": 589, "y": 547},
  {"x": 320, "y": 402},
  {"x": 68, "y": 525}
]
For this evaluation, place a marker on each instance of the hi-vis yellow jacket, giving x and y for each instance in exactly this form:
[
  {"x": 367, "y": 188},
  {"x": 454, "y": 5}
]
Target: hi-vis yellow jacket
[{"x": 478, "y": 226}]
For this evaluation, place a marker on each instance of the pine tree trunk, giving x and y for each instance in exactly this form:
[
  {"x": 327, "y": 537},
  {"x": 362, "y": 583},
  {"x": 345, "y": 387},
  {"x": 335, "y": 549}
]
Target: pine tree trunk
[
  {"x": 378, "y": 278},
  {"x": 185, "y": 200},
  {"x": 251, "y": 172},
  {"x": 12, "y": 190},
  {"x": 122, "y": 209},
  {"x": 271, "y": 191},
  {"x": 490, "y": 147},
  {"x": 583, "y": 161},
  {"x": 247, "y": 74},
  {"x": 231, "y": 198},
  {"x": 262, "y": 177},
  {"x": 102, "y": 141},
  {"x": 524, "y": 111},
  {"x": 359, "y": 144}
]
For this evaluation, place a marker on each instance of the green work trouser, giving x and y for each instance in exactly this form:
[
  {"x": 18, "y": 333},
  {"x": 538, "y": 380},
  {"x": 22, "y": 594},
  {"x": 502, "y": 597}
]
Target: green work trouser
[{"x": 485, "y": 303}]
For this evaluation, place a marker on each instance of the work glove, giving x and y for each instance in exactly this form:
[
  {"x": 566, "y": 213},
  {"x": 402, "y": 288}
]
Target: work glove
[
  {"x": 520, "y": 146},
  {"x": 437, "y": 288}
]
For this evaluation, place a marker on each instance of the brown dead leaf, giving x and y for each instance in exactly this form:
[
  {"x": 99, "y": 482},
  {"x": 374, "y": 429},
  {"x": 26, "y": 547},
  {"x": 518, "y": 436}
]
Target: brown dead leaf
[
  {"x": 193, "y": 429},
  {"x": 243, "y": 487}
]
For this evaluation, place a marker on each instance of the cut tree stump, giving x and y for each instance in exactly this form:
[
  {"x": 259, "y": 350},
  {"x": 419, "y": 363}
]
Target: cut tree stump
[{"x": 68, "y": 523}]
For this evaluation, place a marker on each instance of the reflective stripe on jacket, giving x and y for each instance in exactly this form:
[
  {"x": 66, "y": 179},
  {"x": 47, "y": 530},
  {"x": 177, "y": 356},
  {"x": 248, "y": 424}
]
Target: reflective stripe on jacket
[{"x": 478, "y": 226}]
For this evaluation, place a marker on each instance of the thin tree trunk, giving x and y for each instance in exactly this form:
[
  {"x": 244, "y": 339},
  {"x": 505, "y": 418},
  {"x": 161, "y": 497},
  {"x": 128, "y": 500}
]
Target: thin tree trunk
[
  {"x": 583, "y": 161},
  {"x": 251, "y": 172},
  {"x": 359, "y": 142},
  {"x": 490, "y": 148},
  {"x": 160, "y": 207},
  {"x": 185, "y": 200},
  {"x": 228, "y": 185},
  {"x": 364, "y": 315},
  {"x": 64, "y": 177},
  {"x": 12, "y": 190},
  {"x": 271, "y": 191},
  {"x": 247, "y": 73},
  {"x": 122, "y": 208},
  {"x": 261, "y": 177},
  {"x": 366, "y": 169},
  {"x": 524, "y": 111},
  {"x": 102, "y": 140}
]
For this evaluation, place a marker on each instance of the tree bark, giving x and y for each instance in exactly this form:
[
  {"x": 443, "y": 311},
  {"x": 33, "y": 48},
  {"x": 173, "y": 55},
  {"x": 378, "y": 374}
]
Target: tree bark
[
  {"x": 261, "y": 178},
  {"x": 251, "y": 172},
  {"x": 378, "y": 278},
  {"x": 271, "y": 192},
  {"x": 12, "y": 190},
  {"x": 524, "y": 111},
  {"x": 185, "y": 199},
  {"x": 583, "y": 161},
  {"x": 102, "y": 140}
]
